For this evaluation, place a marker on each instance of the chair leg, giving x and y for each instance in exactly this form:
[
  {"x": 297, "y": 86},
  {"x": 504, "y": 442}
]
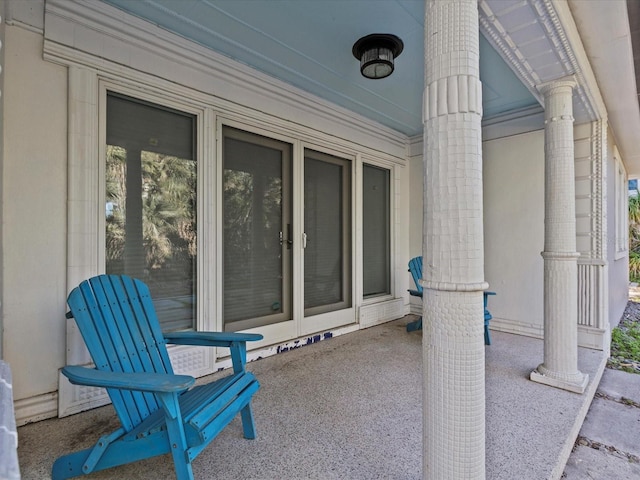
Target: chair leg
[
  {"x": 177, "y": 438},
  {"x": 69, "y": 466},
  {"x": 248, "y": 425},
  {"x": 415, "y": 325},
  {"x": 181, "y": 461},
  {"x": 487, "y": 337}
]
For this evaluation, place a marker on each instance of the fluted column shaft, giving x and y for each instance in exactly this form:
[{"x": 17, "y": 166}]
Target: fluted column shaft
[
  {"x": 453, "y": 251},
  {"x": 560, "y": 366}
]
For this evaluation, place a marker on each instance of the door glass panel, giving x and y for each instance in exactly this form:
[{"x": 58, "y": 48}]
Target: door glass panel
[
  {"x": 375, "y": 231},
  {"x": 327, "y": 226},
  {"x": 257, "y": 230},
  {"x": 151, "y": 204}
]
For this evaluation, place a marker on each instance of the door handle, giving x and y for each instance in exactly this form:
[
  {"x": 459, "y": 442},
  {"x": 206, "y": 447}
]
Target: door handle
[
  {"x": 289, "y": 240},
  {"x": 289, "y": 236}
]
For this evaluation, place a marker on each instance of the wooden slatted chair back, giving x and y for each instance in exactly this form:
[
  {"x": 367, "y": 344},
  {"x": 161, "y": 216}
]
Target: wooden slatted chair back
[
  {"x": 415, "y": 267},
  {"x": 118, "y": 323}
]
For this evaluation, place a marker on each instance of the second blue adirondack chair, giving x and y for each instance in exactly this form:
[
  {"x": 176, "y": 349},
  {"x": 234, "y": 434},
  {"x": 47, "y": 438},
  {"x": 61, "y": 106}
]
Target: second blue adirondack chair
[
  {"x": 415, "y": 267},
  {"x": 160, "y": 412}
]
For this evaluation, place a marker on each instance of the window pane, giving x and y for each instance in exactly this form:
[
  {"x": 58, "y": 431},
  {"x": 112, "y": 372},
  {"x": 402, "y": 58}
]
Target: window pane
[
  {"x": 327, "y": 224},
  {"x": 151, "y": 204},
  {"x": 375, "y": 231}
]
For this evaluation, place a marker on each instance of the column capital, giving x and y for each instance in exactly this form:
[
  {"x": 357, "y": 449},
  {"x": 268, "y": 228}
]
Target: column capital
[{"x": 548, "y": 88}]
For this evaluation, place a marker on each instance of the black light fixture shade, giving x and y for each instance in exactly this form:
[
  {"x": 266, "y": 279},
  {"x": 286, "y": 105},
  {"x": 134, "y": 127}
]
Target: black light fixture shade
[{"x": 376, "y": 53}]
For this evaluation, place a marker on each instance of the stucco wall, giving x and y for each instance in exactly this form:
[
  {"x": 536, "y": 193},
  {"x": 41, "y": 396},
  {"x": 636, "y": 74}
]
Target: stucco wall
[
  {"x": 513, "y": 170},
  {"x": 415, "y": 218},
  {"x": 416, "y": 181},
  {"x": 404, "y": 216},
  {"x": 34, "y": 213},
  {"x": 2, "y": 43},
  {"x": 514, "y": 230}
]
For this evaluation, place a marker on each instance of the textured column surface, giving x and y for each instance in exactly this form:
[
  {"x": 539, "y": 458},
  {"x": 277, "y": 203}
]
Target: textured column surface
[
  {"x": 560, "y": 366},
  {"x": 453, "y": 251}
]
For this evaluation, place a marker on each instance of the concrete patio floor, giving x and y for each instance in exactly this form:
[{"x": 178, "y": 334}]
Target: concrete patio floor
[{"x": 350, "y": 407}]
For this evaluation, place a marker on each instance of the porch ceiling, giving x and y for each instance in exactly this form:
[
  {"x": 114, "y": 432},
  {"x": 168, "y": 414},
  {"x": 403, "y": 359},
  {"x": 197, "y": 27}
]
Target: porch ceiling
[{"x": 307, "y": 43}]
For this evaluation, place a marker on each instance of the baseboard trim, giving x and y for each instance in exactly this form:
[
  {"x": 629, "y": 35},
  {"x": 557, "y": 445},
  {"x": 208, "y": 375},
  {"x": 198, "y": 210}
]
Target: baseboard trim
[{"x": 34, "y": 409}]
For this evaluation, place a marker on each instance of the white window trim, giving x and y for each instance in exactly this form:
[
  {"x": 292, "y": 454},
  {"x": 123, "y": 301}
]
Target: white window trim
[
  {"x": 621, "y": 207},
  {"x": 86, "y": 222},
  {"x": 205, "y": 226},
  {"x": 393, "y": 181}
]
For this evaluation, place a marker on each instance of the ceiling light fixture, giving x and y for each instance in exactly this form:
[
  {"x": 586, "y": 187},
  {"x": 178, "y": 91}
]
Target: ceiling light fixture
[{"x": 376, "y": 53}]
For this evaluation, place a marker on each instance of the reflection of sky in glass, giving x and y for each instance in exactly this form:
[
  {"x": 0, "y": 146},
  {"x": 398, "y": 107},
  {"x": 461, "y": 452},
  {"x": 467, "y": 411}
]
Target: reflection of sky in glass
[
  {"x": 633, "y": 184},
  {"x": 110, "y": 208}
]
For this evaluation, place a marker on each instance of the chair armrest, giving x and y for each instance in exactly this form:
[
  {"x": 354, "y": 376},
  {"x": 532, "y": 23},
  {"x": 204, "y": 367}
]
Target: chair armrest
[
  {"x": 236, "y": 342},
  {"x": 210, "y": 339},
  {"x": 415, "y": 293},
  {"x": 144, "y": 382}
]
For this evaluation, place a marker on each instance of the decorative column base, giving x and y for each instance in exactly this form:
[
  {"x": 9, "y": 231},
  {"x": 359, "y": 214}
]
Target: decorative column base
[{"x": 576, "y": 382}]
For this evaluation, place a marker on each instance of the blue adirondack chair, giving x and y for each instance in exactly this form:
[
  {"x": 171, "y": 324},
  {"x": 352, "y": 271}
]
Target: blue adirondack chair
[
  {"x": 415, "y": 267},
  {"x": 159, "y": 411}
]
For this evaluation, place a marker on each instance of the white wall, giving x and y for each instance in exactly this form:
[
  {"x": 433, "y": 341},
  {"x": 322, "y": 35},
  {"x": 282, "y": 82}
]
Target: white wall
[
  {"x": 513, "y": 171},
  {"x": 403, "y": 207},
  {"x": 514, "y": 230},
  {"x": 34, "y": 213},
  {"x": 416, "y": 168},
  {"x": 2, "y": 43},
  {"x": 416, "y": 182}
]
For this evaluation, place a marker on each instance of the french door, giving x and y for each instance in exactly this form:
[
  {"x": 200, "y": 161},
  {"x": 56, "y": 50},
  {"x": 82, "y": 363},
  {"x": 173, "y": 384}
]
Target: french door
[
  {"x": 327, "y": 225},
  {"x": 286, "y": 256},
  {"x": 258, "y": 234}
]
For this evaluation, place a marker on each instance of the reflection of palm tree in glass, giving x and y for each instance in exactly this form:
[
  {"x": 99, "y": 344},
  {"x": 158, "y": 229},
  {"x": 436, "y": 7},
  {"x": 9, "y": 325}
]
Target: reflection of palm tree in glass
[
  {"x": 252, "y": 222},
  {"x": 167, "y": 214}
]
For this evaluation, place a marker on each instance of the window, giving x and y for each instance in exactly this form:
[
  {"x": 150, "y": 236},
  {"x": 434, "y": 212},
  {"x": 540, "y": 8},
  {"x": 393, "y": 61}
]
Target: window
[
  {"x": 621, "y": 209},
  {"x": 150, "y": 206},
  {"x": 376, "y": 249}
]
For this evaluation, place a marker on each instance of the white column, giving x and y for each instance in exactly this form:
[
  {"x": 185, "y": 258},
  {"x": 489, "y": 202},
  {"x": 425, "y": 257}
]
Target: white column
[
  {"x": 560, "y": 366},
  {"x": 453, "y": 251}
]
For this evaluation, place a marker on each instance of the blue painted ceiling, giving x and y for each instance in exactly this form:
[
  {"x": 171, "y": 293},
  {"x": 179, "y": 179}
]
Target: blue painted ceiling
[{"x": 307, "y": 43}]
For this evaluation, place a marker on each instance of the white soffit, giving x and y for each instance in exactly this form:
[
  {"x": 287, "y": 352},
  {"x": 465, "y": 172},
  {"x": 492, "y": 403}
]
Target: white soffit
[
  {"x": 545, "y": 40},
  {"x": 533, "y": 40},
  {"x": 604, "y": 28}
]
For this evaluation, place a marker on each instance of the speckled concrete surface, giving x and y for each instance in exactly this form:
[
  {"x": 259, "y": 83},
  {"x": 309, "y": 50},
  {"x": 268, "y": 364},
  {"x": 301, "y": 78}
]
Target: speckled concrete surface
[
  {"x": 350, "y": 408},
  {"x": 531, "y": 428}
]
